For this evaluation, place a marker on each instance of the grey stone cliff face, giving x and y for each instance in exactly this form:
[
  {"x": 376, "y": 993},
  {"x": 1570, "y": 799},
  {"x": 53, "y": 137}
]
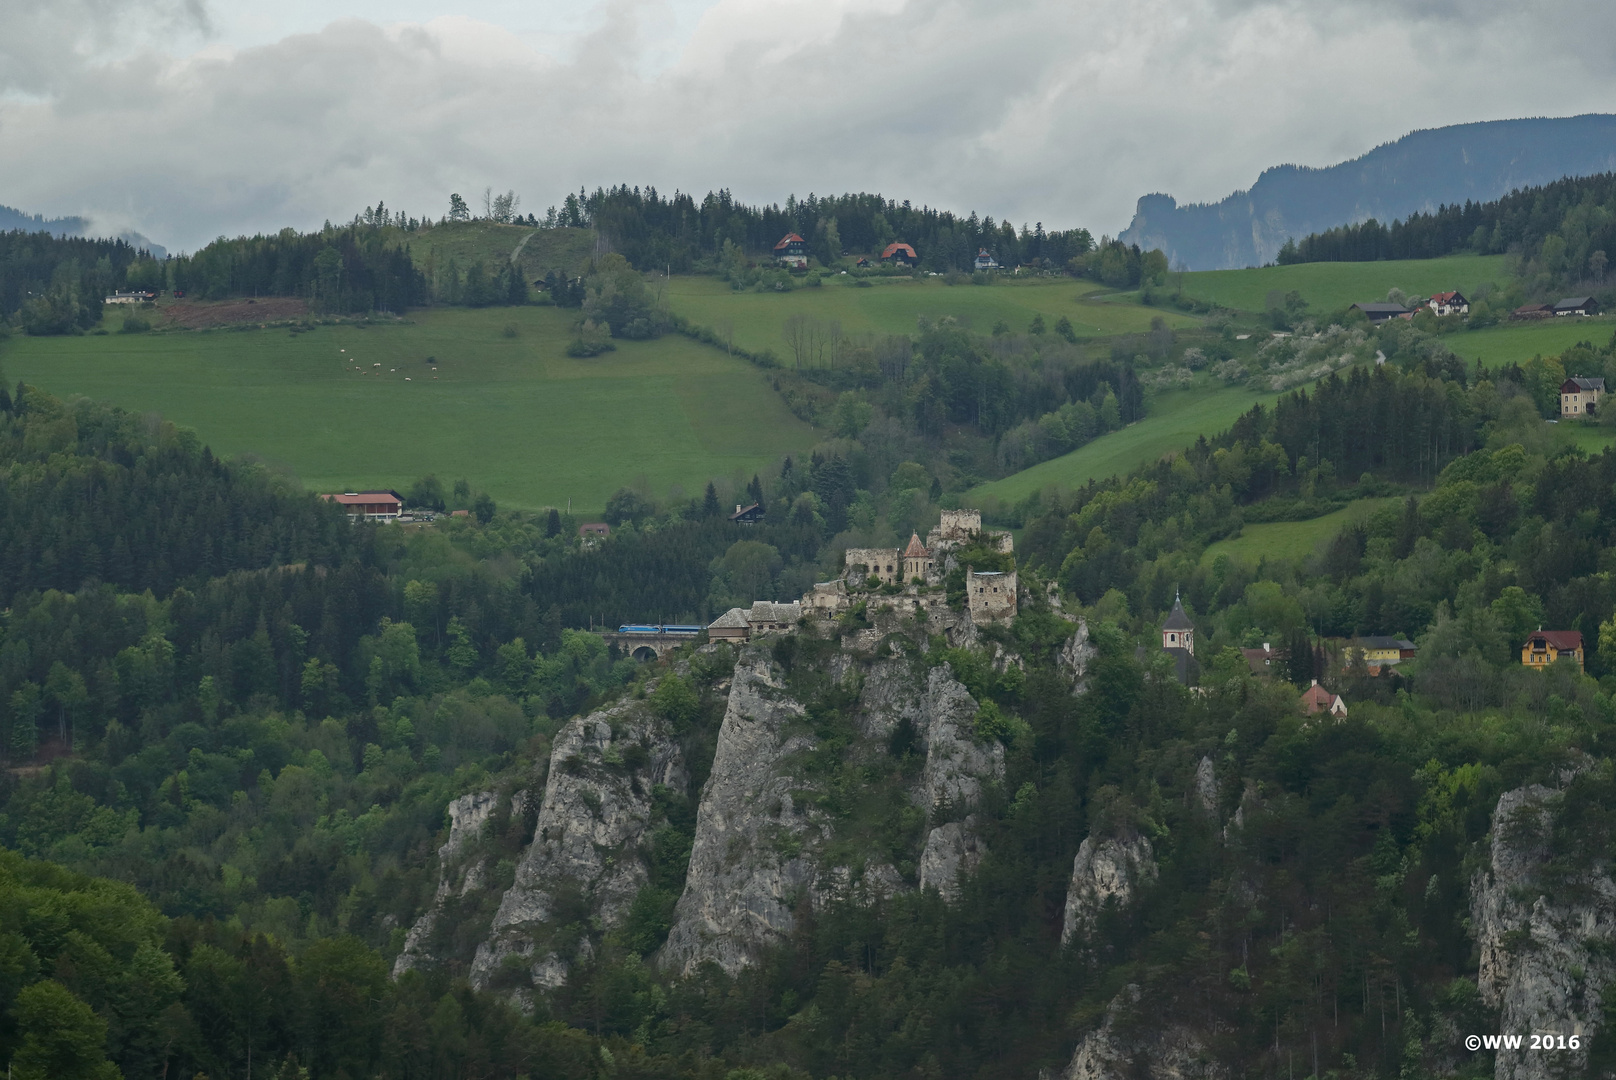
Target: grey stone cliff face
[
  {"x": 746, "y": 866},
  {"x": 1075, "y": 657},
  {"x": 1105, "y": 871},
  {"x": 1127, "y": 1045},
  {"x": 460, "y": 870},
  {"x": 596, "y": 811},
  {"x": 757, "y": 851},
  {"x": 1545, "y": 962}
]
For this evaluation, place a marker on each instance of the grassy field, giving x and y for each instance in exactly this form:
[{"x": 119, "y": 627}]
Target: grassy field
[
  {"x": 1329, "y": 286},
  {"x": 895, "y": 305},
  {"x": 1520, "y": 341},
  {"x": 511, "y": 414},
  {"x": 1174, "y": 420},
  {"x": 1291, "y": 539}
]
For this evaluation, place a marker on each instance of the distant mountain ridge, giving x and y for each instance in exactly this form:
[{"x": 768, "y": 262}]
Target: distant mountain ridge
[
  {"x": 1419, "y": 172},
  {"x": 12, "y": 218}
]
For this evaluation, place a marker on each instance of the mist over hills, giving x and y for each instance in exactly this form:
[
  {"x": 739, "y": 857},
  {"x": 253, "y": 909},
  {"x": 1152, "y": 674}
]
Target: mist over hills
[
  {"x": 12, "y": 218},
  {"x": 1419, "y": 172}
]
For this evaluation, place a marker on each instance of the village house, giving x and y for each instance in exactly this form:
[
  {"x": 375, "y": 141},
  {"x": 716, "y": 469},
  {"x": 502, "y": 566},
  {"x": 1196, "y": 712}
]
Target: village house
[
  {"x": 1316, "y": 699},
  {"x": 384, "y": 505},
  {"x": 138, "y": 296},
  {"x": 1448, "y": 303},
  {"x": 792, "y": 250},
  {"x": 1577, "y": 305},
  {"x": 1379, "y": 312},
  {"x": 595, "y": 528},
  {"x": 1580, "y": 397},
  {"x": 984, "y": 261},
  {"x": 747, "y": 515},
  {"x": 1532, "y": 311},
  {"x": 900, "y": 254},
  {"x": 1545, "y": 647},
  {"x": 764, "y": 616},
  {"x": 1382, "y": 650},
  {"x": 1261, "y": 661}
]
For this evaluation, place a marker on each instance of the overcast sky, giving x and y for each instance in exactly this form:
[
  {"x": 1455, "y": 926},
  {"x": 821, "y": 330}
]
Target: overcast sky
[{"x": 186, "y": 119}]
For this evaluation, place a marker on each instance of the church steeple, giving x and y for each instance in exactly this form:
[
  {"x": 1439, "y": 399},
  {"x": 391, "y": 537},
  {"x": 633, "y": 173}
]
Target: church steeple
[{"x": 1178, "y": 632}]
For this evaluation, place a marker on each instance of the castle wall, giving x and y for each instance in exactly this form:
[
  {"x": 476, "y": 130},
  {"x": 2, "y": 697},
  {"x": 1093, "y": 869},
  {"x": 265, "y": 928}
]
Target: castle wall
[
  {"x": 883, "y": 563},
  {"x": 991, "y": 596}
]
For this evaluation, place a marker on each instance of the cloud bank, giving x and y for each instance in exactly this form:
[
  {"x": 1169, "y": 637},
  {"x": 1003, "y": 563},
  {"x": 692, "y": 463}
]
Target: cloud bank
[{"x": 1025, "y": 109}]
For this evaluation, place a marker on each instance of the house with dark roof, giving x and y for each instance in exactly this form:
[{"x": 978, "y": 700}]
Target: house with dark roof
[
  {"x": 900, "y": 255},
  {"x": 1527, "y": 312},
  {"x": 1382, "y": 649},
  {"x": 1261, "y": 661},
  {"x": 1545, "y": 647},
  {"x": 1379, "y": 312},
  {"x": 1576, "y": 305},
  {"x": 747, "y": 515},
  {"x": 1580, "y": 397},
  {"x": 984, "y": 260},
  {"x": 1448, "y": 303},
  {"x": 764, "y": 616},
  {"x": 792, "y": 250}
]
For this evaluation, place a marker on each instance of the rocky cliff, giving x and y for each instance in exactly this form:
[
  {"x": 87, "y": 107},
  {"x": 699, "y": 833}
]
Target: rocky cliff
[
  {"x": 1545, "y": 934},
  {"x": 1132, "y": 1041},
  {"x": 585, "y": 864},
  {"x": 765, "y": 841},
  {"x": 1105, "y": 871}
]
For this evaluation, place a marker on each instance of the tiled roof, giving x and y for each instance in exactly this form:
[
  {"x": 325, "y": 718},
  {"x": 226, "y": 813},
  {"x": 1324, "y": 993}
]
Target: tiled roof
[
  {"x": 734, "y": 618},
  {"x": 893, "y": 249},
  {"x": 1563, "y": 640},
  {"x": 1176, "y": 619},
  {"x": 787, "y": 240},
  {"x": 915, "y": 550},
  {"x": 1587, "y": 384}
]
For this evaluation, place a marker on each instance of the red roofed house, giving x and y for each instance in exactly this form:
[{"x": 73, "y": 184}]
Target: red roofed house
[
  {"x": 1319, "y": 700},
  {"x": 792, "y": 250},
  {"x": 1449, "y": 303},
  {"x": 382, "y": 505},
  {"x": 1544, "y": 647},
  {"x": 901, "y": 254}
]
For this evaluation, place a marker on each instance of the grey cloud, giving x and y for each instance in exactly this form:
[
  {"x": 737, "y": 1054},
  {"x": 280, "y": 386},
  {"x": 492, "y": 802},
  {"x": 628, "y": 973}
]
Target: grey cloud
[{"x": 1037, "y": 110}]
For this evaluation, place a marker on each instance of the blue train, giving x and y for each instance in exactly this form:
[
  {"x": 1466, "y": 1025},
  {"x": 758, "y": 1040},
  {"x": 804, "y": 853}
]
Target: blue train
[{"x": 659, "y": 628}]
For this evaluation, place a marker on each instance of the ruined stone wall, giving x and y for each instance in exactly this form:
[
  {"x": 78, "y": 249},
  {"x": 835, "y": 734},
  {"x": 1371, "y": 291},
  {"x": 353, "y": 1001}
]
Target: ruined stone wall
[{"x": 991, "y": 596}]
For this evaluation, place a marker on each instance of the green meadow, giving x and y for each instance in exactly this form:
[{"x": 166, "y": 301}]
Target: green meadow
[
  {"x": 1172, "y": 422},
  {"x": 1521, "y": 341},
  {"x": 512, "y": 414},
  {"x": 896, "y": 305},
  {"x": 1291, "y": 539},
  {"x": 1333, "y": 285}
]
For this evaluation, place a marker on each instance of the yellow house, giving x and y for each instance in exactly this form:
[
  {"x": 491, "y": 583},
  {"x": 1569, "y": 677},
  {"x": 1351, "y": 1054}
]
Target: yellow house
[
  {"x": 1544, "y": 647},
  {"x": 1383, "y": 650},
  {"x": 1580, "y": 397}
]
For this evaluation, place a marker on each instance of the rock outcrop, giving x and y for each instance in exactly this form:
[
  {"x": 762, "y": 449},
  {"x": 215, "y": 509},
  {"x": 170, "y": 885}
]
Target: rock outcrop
[
  {"x": 952, "y": 849},
  {"x": 748, "y": 868},
  {"x": 585, "y": 854},
  {"x": 957, "y": 762},
  {"x": 1105, "y": 871},
  {"x": 1546, "y": 958},
  {"x": 1126, "y": 1045},
  {"x": 1076, "y": 655},
  {"x": 1206, "y": 786},
  {"x": 462, "y": 868}
]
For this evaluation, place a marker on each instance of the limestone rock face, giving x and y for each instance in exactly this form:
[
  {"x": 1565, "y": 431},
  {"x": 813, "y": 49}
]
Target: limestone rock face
[
  {"x": 957, "y": 763},
  {"x": 1075, "y": 657},
  {"x": 596, "y": 811},
  {"x": 1206, "y": 786},
  {"x": 461, "y": 868},
  {"x": 1127, "y": 1045},
  {"x": 1105, "y": 870},
  {"x": 1546, "y": 960},
  {"x": 951, "y": 849},
  {"x": 747, "y": 865}
]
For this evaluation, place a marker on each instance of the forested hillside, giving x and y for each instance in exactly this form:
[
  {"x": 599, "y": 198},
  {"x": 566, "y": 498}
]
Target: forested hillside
[
  {"x": 1560, "y": 232},
  {"x": 1417, "y": 174},
  {"x": 215, "y": 690}
]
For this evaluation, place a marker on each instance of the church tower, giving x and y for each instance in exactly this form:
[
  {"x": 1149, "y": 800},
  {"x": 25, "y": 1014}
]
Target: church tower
[{"x": 1178, "y": 632}]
